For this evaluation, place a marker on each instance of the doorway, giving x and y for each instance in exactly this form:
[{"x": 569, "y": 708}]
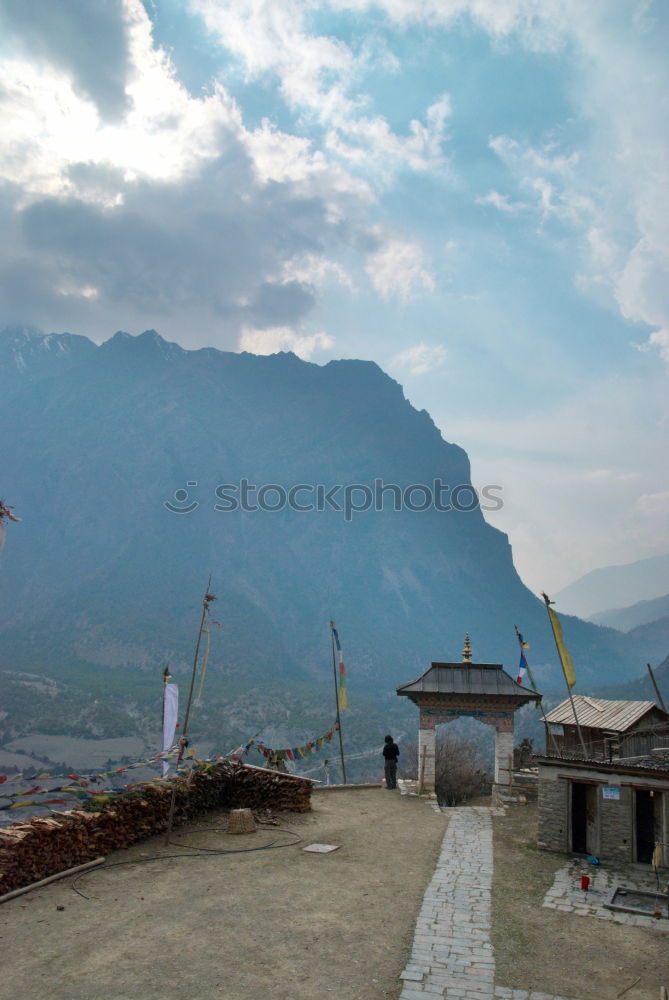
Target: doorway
[
  {"x": 584, "y": 818},
  {"x": 646, "y": 814}
]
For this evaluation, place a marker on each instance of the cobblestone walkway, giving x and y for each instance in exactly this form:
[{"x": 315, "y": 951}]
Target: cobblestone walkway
[{"x": 452, "y": 955}]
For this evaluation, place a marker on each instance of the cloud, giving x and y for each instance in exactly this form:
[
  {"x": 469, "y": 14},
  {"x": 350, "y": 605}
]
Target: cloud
[
  {"x": 564, "y": 513},
  {"x": 660, "y": 339},
  {"x": 313, "y": 71},
  {"x": 654, "y": 503},
  {"x": 177, "y": 216},
  {"x": 398, "y": 268},
  {"x": 608, "y": 475},
  {"x": 208, "y": 246},
  {"x": 548, "y": 178},
  {"x": 371, "y": 145},
  {"x": 271, "y": 340},
  {"x": 50, "y": 131},
  {"x": 317, "y": 74},
  {"x": 420, "y": 359},
  {"x": 89, "y": 41},
  {"x": 500, "y": 202},
  {"x": 612, "y": 190},
  {"x": 315, "y": 270},
  {"x": 539, "y": 24}
]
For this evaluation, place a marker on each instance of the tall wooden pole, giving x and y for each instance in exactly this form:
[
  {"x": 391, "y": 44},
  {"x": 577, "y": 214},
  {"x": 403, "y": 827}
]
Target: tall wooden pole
[
  {"x": 660, "y": 699},
  {"x": 183, "y": 742},
  {"x": 548, "y": 603},
  {"x": 336, "y": 687}
]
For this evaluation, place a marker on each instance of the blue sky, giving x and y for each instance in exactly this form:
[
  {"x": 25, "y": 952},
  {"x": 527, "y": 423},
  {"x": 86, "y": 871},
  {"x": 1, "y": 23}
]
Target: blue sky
[{"x": 472, "y": 193}]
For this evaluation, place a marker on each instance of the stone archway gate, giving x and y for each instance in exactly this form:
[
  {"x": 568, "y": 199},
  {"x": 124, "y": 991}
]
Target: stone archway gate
[{"x": 483, "y": 691}]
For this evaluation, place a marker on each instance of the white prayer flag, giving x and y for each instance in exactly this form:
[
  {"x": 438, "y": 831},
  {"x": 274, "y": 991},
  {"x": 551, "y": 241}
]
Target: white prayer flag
[{"x": 170, "y": 714}]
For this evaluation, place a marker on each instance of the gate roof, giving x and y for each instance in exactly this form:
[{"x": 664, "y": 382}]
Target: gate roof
[{"x": 466, "y": 678}]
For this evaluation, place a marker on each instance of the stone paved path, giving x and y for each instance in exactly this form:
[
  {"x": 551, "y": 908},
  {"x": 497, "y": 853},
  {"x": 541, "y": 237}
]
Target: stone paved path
[
  {"x": 452, "y": 955},
  {"x": 565, "y": 894}
]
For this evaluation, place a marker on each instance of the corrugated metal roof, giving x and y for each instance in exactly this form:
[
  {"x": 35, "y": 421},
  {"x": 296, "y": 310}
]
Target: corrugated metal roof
[
  {"x": 466, "y": 678},
  {"x": 595, "y": 713},
  {"x": 649, "y": 763}
]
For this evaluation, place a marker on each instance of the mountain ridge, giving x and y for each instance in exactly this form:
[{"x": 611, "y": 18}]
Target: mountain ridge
[
  {"x": 641, "y": 613},
  {"x": 103, "y": 576},
  {"x": 616, "y": 586}
]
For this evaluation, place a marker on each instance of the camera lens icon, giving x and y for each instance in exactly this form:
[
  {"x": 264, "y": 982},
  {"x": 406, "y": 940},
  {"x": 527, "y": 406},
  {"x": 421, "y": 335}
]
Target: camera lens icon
[{"x": 181, "y": 496}]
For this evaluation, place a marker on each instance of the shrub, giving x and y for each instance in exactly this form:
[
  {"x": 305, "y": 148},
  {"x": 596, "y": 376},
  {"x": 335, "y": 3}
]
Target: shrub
[{"x": 461, "y": 772}]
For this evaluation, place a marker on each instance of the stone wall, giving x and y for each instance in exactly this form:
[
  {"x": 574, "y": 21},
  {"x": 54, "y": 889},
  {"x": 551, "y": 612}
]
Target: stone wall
[
  {"x": 427, "y": 742},
  {"x": 616, "y": 826},
  {"x": 504, "y": 756},
  {"x": 553, "y": 829}
]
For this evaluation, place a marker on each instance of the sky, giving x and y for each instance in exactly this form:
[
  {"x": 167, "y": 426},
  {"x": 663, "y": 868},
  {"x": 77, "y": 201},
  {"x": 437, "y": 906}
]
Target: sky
[{"x": 472, "y": 193}]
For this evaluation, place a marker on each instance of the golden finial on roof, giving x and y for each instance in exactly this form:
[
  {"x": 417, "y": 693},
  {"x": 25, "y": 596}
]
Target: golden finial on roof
[{"x": 467, "y": 651}]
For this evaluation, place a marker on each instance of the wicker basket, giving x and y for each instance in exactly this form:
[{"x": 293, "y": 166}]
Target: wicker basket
[{"x": 241, "y": 821}]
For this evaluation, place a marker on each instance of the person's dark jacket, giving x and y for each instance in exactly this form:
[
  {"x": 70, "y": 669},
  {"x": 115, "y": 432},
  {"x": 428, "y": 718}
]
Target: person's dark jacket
[{"x": 391, "y": 751}]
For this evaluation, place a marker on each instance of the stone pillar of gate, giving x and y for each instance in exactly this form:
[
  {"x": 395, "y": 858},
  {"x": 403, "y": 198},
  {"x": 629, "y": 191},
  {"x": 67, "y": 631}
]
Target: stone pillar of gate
[
  {"x": 504, "y": 750},
  {"x": 426, "y": 754}
]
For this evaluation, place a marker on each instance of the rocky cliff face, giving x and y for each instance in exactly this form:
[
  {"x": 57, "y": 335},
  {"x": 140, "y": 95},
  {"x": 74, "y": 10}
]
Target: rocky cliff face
[{"x": 109, "y": 449}]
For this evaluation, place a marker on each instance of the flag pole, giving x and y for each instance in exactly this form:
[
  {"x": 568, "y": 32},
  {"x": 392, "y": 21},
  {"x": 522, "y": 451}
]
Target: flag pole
[
  {"x": 548, "y": 603},
  {"x": 540, "y": 704},
  {"x": 660, "y": 699},
  {"x": 334, "y": 675},
  {"x": 183, "y": 742}
]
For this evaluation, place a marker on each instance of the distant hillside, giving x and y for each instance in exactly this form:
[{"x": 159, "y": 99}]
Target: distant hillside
[
  {"x": 615, "y": 587},
  {"x": 641, "y": 687},
  {"x": 641, "y": 613},
  {"x": 101, "y": 582},
  {"x": 653, "y": 637}
]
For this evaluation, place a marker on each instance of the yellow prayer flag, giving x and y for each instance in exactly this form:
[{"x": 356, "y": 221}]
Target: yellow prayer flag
[
  {"x": 342, "y": 699},
  {"x": 565, "y": 657}
]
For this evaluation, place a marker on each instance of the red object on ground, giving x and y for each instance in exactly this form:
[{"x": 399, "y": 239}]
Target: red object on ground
[{"x": 585, "y": 882}]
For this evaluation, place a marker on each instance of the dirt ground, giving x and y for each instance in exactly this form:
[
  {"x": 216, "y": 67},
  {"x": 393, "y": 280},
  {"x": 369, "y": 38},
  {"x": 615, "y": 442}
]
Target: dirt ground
[
  {"x": 266, "y": 925},
  {"x": 562, "y": 953},
  {"x": 282, "y": 924}
]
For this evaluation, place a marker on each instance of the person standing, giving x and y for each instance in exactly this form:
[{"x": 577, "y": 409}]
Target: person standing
[{"x": 391, "y": 752}]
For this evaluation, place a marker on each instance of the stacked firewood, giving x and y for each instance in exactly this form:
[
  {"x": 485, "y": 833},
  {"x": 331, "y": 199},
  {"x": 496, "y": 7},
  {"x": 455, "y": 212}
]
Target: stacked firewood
[{"x": 32, "y": 851}]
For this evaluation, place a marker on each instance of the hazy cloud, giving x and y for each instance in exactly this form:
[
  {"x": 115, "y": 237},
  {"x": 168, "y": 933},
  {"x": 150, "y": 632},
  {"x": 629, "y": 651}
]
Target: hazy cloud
[
  {"x": 168, "y": 249},
  {"x": 500, "y": 201},
  {"x": 420, "y": 359},
  {"x": 398, "y": 268},
  {"x": 89, "y": 41},
  {"x": 271, "y": 340}
]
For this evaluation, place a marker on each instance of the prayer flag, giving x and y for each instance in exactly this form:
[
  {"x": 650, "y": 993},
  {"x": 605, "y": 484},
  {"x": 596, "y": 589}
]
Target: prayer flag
[
  {"x": 342, "y": 697},
  {"x": 170, "y": 713},
  {"x": 523, "y": 666},
  {"x": 563, "y": 652}
]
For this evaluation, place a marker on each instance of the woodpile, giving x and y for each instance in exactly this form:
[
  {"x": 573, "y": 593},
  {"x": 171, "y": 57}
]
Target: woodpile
[{"x": 32, "y": 851}]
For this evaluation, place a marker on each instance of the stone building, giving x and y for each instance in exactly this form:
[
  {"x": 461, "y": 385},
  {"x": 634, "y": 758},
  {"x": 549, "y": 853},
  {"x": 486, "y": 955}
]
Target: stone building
[{"x": 617, "y": 810}]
